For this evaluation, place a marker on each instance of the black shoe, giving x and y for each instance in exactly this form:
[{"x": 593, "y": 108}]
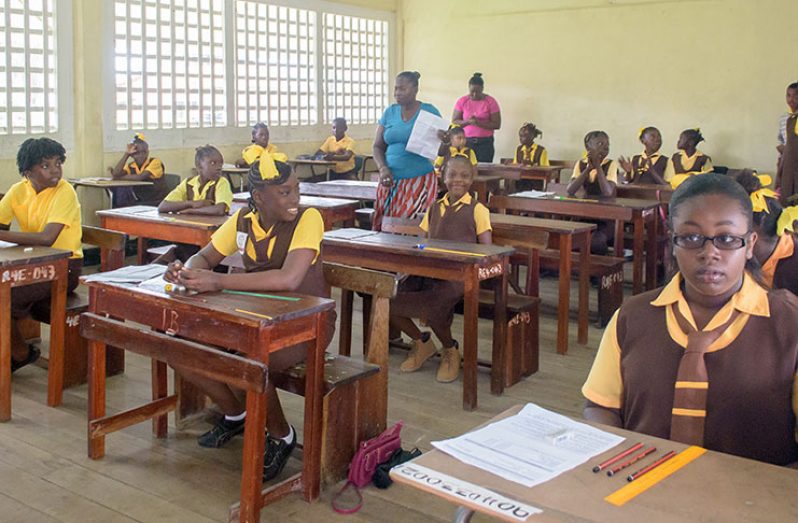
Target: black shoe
[
  {"x": 276, "y": 456},
  {"x": 33, "y": 355},
  {"x": 221, "y": 433}
]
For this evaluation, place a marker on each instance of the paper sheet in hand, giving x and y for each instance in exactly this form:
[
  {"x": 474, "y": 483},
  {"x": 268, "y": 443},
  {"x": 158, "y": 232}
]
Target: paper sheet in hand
[
  {"x": 129, "y": 274},
  {"x": 533, "y": 446},
  {"x": 424, "y": 137}
]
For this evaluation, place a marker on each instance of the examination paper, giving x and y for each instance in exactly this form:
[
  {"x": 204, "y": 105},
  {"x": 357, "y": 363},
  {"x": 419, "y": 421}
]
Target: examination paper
[
  {"x": 534, "y": 194},
  {"x": 128, "y": 274},
  {"x": 424, "y": 136},
  {"x": 532, "y": 447},
  {"x": 4, "y": 245}
]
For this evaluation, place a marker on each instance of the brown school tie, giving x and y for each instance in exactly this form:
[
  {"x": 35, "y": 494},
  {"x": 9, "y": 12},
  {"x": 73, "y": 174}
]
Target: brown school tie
[{"x": 692, "y": 383}]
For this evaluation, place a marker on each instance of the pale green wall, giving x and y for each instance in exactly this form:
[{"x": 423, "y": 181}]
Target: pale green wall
[{"x": 572, "y": 66}]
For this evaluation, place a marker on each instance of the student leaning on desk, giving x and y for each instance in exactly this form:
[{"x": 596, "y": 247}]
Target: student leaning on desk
[
  {"x": 207, "y": 192},
  {"x": 281, "y": 250},
  {"x": 142, "y": 167},
  {"x": 47, "y": 211},
  {"x": 712, "y": 358}
]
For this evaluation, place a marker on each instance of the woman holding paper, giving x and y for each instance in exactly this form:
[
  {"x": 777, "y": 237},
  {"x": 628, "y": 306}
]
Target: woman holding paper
[{"x": 408, "y": 184}]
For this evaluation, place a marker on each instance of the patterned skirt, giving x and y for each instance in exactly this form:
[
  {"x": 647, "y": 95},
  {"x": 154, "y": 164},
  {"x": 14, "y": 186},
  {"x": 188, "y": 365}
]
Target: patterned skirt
[{"x": 406, "y": 198}]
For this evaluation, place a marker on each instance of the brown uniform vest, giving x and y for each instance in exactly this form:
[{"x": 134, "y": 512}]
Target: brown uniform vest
[
  {"x": 749, "y": 404},
  {"x": 644, "y": 176},
  {"x": 457, "y": 224},
  {"x": 592, "y": 188},
  {"x": 210, "y": 195},
  {"x": 786, "y": 274},
  {"x": 149, "y": 194},
  {"x": 535, "y": 160},
  {"x": 697, "y": 166}
]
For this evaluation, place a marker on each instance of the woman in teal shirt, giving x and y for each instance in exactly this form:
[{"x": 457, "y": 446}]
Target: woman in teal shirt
[{"x": 408, "y": 184}]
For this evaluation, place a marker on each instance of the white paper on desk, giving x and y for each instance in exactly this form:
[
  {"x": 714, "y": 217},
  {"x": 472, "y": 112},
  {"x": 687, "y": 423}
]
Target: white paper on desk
[
  {"x": 522, "y": 449},
  {"x": 129, "y": 274},
  {"x": 4, "y": 245},
  {"x": 348, "y": 233},
  {"x": 424, "y": 136},
  {"x": 534, "y": 194}
]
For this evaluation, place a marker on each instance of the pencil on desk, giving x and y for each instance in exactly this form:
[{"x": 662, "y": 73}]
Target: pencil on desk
[
  {"x": 423, "y": 247},
  {"x": 654, "y": 465},
  {"x": 255, "y": 314}
]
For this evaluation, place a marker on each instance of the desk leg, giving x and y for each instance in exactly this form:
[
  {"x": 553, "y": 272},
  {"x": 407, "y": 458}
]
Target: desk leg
[
  {"x": 141, "y": 245},
  {"x": 584, "y": 287},
  {"x": 5, "y": 352},
  {"x": 498, "y": 373},
  {"x": 96, "y": 396},
  {"x": 470, "y": 334},
  {"x": 314, "y": 392},
  {"x": 55, "y": 371},
  {"x": 345, "y": 333},
  {"x": 376, "y": 411},
  {"x": 566, "y": 242},
  {"x": 637, "y": 249},
  {"x": 252, "y": 463},
  {"x": 652, "y": 250},
  {"x": 463, "y": 515},
  {"x": 159, "y": 390}
]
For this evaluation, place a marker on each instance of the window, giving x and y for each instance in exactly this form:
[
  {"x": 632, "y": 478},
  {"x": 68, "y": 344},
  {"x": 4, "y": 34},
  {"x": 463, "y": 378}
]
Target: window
[
  {"x": 275, "y": 65},
  {"x": 28, "y": 67},
  {"x": 169, "y": 63},
  {"x": 355, "y": 68}
]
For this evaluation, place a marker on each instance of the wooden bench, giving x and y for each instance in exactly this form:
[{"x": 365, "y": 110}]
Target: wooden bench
[{"x": 75, "y": 358}]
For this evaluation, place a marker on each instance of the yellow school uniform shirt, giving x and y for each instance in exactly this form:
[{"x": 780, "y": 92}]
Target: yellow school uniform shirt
[
  {"x": 33, "y": 211},
  {"x": 307, "y": 235},
  {"x": 331, "y": 145},
  {"x": 527, "y": 153},
  {"x": 224, "y": 194},
  {"x": 481, "y": 213},
  {"x": 785, "y": 248},
  {"x": 252, "y": 153},
  {"x": 669, "y": 170},
  {"x": 687, "y": 163},
  {"x": 610, "y": 171},
  {"x": 604, "y": 385},
  {"x": 152, "y": 165},
  {"x": 453, "y": 151}
]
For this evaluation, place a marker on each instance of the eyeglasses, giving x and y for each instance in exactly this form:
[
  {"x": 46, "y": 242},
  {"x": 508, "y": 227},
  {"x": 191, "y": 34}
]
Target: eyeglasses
[{"x": 724, "y": 242}]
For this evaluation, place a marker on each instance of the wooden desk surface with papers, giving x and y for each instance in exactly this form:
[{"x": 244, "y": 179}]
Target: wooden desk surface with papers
[
  {"x": 354, "y": 189},
  {"x": 714, "y": 487},
  {"x": 21, "y": 266},
  {"x": 333, "y": 210},
  {"x": 107, "y": 183},
  {"x": 466, "y": 262},
  {"x": 195, "y": 328}
]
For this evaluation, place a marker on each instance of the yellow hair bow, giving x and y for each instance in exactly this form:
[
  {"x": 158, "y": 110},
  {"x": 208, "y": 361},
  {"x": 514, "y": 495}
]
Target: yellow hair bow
[
  {"x": 697, "y": 129},
  {"x": 640, "y": 132},
  {"x": 454, "y": 126},
  {"x": 139, "y": 136},
  {"x": 758, "y": 197},
  {"x": 268, "y": 170},
  {"x": 460, "y": 153},
  {"x": 786, "y": 221}
]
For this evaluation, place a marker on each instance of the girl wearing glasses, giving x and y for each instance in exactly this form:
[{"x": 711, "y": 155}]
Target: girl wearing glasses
[{"x": 711, "y": 358}]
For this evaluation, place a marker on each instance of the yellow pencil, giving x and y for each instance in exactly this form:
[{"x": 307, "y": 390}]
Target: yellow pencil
[
  {"x": 436, "y": 249},
  {"x": 255, "y": 314}
]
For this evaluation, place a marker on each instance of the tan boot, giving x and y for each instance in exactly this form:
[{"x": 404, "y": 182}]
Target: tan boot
[
  {"x": 421, "y": 352},
  {"x": 449, "y": 369}
]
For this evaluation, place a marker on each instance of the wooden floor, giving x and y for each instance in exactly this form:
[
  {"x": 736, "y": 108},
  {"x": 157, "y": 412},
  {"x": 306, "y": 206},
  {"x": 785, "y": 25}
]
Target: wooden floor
[{"x": 45, "y": 474}]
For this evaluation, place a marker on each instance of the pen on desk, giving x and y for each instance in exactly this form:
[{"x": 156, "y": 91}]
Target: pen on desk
[
  {"x": 635, "y": 459},
  {"x": 654, "y": 465},
  {"x": 602, "y": 466}
]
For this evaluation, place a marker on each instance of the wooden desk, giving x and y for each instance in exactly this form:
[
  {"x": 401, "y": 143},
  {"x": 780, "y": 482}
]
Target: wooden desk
[
  {"x": 642, "y": 214},
  {"x": 364, "y": 170},
  {"x": 564, "y": 235},
  {"x": 352, "y": 189},
  {"x": 190, "y": 324},
  {"x": 106, "y": 184},
  {"x": 645, "y": 191},
  {"x": 714, "y": 487},
  {"x": 333, "y": 210},
  {"x": 514, "y": 172},
  {"x": 398, "y": 253},
  {"x": 146, "y": 222},
  {"x": 326, "y": 165},
  {"x": 484, "y": 185},
  {"x": 230, "y": 169},
  {"x": 25, "y": 266}
]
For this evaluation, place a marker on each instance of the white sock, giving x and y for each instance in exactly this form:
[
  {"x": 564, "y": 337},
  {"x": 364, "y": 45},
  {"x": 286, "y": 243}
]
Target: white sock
[
  {"x": 288, "y": 438},
  {"x": 236, "y": 418}
]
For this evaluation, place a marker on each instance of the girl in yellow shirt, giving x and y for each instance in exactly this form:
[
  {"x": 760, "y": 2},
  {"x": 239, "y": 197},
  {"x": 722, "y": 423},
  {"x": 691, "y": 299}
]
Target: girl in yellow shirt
[{"x": 260, "y": 144}]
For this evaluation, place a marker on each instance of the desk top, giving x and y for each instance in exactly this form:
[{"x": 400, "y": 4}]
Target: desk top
[
  {"x": 147, "y": 213},
  {"x": 645, "y": 190},
  {"x": 517, "y": 168},
  {"x": 627, "y": 203},
  {"x": 715, "y": 487},
  {"x": 232, "y": 169},
  {"x": 307, "y": 201},
  {"x": 20, "y": 255},
  {"x": 106, "y": 183},
  {"x": 359, "y": 190},
  {"x": 543, "y": 224},
  {"x": 383, "y": 242},
  {"x": 311, "y": 161},
  {"x": 243, "y": 309}
]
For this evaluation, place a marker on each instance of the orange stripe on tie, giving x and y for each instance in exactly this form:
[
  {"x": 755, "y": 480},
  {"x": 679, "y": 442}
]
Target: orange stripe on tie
[
  {"x": 704, "y": 385},
  {"x": 693, "y": 413}
]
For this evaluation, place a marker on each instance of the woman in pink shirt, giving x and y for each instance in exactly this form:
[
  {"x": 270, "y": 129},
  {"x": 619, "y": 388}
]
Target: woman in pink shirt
[{"x": 479, "y": 114}]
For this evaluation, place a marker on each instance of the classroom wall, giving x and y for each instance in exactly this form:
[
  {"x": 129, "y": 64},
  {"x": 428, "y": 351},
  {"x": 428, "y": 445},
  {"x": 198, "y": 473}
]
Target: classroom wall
[{"x": 571, "y": 66}]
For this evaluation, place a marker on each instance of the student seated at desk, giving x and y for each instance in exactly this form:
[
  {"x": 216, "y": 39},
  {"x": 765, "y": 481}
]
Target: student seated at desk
[
  {"x": 597, "y": 176},
  {"x": 142, "y": 168},
  {"x": 689, "y": 161},
  {"x": 711, "y": 359},
  {"x": 207, "y": 192},
  {"x": 47, "y": 211},
  {"x": 458, "y": 217},
  {"x": 454, "y": 143},
  {"x": 281, "y": 250},
  {"x": 260, "y": 144},
  {"x": 528, "y": 152},
  {"x": 649, "y": 166},
  {"x": 775, "y": 248},
  {"x": 339, "y": 148}
]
